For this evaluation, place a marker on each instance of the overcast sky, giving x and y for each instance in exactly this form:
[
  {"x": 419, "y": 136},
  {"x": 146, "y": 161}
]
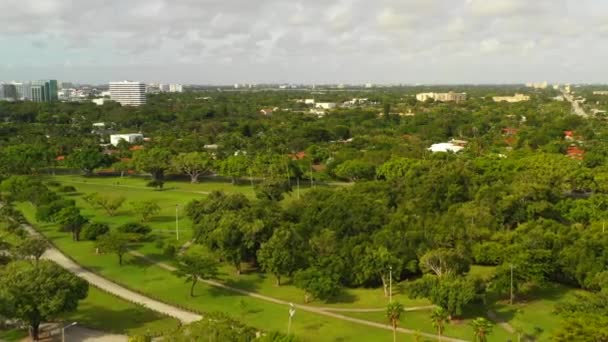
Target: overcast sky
[{"x": 312, "y": 41}]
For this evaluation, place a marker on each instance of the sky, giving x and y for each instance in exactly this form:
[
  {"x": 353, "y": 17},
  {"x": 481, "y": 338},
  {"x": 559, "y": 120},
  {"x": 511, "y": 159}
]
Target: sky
[{"x": 312, "y": 41}]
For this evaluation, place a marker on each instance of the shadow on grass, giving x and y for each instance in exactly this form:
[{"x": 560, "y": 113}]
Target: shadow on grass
[
  {"x": 111, "y": 320},
  {"x": 343, "y": 297},
  {"x": 162, "y": 219}
]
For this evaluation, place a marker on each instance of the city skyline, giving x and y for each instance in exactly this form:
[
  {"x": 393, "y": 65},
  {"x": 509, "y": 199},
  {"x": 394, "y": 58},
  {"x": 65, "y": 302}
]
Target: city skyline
[{"x": 349, "y": 41}]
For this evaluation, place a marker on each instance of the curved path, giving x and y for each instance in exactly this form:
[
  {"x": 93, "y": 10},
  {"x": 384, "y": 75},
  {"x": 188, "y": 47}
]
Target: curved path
[
  {"x": 317, "y": 310},
  {"x": 187, "y": 316},
  {"x": 113, "y": 288}
]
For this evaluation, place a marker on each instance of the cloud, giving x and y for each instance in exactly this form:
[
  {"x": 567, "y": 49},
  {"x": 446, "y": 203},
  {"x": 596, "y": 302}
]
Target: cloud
[{"x": 333, "y": 41}]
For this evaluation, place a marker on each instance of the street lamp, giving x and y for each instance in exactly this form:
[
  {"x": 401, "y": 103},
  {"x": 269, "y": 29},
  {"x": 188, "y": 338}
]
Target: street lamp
[
  {"x": 292, "y": 311},
  {"x": 390, "y": 284},
  {"x": 176, "y": 222},
  {"x": 64, "y": 328}
]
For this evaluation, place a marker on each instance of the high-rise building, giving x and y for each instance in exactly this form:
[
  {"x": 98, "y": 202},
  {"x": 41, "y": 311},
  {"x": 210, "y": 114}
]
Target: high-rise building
[
  {"x": 24, "y": 90},
  {"x": 8, "y": 92},
  {"x": 128, "y": 93},
  {"x": 176, "y": 88},
  {"x": 44, "y": 91}
]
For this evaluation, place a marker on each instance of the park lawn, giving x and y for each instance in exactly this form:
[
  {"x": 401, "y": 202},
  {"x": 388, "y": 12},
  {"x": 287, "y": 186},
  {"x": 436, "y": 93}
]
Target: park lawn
[
  {"x": 158, "y": 283},
  {"x": 420, "y": 321},
  {"x": 536, "y": 316},
  {"x": 105, "y": 312},
  {"x": 13, "y": 335},
  {"x": 262, "y": 283},
  {"x": 134, "y": 189}
]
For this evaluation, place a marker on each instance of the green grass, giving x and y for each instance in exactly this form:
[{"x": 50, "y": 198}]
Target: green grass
[
  {"x": 158, "y": 283},
  {"x": 105, "y": 312},
  {"x": 420, "y": 321},
  {"x": 536, "y": 315},
  {"x": 13, "y": 335}
]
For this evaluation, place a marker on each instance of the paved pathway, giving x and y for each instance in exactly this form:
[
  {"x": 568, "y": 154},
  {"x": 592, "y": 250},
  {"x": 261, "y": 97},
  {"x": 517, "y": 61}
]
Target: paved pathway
[
  {"x": 113, "y": 288},
  {"x": 317, "y": 310}
]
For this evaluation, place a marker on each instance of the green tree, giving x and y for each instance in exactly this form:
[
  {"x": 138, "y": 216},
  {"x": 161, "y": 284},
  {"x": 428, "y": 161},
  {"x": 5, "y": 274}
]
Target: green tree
[
  {"x": 155, "y": 161},
  {"x": 194, "y": 265},
  {"x": 316, "y": 284},
  {"x": 145, "y": 209},
  {"x": 94, "y": 230},
  {"x": 108, "y": 203},
  {"x": 279, "y": 255},
  {"x": 376, "y": 262},
  {"x": 439, "y": 318},
  {"x": 70, "y": 220},
  {"x": 121, "y": 166},
  {"x": 272, "y": 189},
  {"x": 194, "y": 164},
  {"x": 451, "y": 294},
  {"x": 393, "y": 313},
  {"x": 117, "y": 243},
  {"x": 444, "y": 262},
  {"x": 36, "y": 294},
  {"x": 32, "y": 247},
  {"x": 87, "y": 159},
  {"x": 234, "y": 167},
  {"x": 355, "y": 170},
  {"x": 482, "y": 328}
]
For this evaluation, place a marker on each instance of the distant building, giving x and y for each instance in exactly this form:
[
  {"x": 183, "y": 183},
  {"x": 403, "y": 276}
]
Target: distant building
[
  {"x": 44, "y": 91},
  {"x": 309, "y": 101},
  {"x": 99, "y": 102},
  {"x": 131, "y": 138},
  {"x": 325, "y": 105},
  {"x": 128, "y": 93},
  {"x": 511, "y": 99},
  {"x": 537, "y": 85},
  {"x": 268, "y": 111},
  {"x": 600, "y": 92},
  {"x": 176, "y": 88},
  {"x": 8, "y": 92},
  {"x": 24, "y": 90},
  {"x": 451, "y": 146},
  {"x": 442, "y": 97}
]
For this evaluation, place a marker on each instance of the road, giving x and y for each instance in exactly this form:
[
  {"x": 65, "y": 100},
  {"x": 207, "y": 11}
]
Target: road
[{"x": 576, "y": 106}]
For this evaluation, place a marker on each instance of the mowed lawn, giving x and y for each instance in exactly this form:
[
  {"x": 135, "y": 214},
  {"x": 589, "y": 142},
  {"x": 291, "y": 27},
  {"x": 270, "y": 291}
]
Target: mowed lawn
[
  {"x": 161, "y": 284},
  {"x": 105, "y": 312}
]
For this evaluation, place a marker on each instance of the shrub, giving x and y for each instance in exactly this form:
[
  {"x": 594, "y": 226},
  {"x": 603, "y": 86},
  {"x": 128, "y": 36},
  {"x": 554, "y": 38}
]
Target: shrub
[
  {"x": 93, "y": 230},
  {"x": 46, "y": 212},
  {"x": 134, "y": 228},
  {"x": 160, "y": 243},
  {"x": 169, "y": 251},
  {"x": 53, "y": 183},
  {"x": 67, "y": 188}
]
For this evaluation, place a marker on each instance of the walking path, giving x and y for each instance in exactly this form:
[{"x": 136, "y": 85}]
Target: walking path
[
  {"x": 187, "y": 316},
  {"x": 317, "y": 310},
  {"x": 113, "y": 288}
]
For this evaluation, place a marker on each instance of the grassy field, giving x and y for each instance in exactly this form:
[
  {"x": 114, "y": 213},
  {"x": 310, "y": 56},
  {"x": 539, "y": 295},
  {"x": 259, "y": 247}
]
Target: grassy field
[
  {"x": 161, "y": 284},
  {"x": 105, "y": 312}
]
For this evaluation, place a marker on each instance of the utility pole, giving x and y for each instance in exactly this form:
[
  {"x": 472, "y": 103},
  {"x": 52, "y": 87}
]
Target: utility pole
[
  {"x": 511, "y": 296},
  {"x": 390, "y": 284},
  {"x": 176, "y": 222}
]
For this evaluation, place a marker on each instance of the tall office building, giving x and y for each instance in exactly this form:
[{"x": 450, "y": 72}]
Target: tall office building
[
  {"x": 128, "y": 93},
  {"x": 8, "y": 92},
  {"x": 44, "y": 91},
  {"x": 24, "y": 90}
]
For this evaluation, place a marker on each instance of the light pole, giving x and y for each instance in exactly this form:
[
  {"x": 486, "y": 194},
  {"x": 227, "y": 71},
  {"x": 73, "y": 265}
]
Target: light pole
[
  {"x": 176, "y": 222},
  {"x": 390, "y": 284},
  {"x": 63, "y": 330},
  {"x": 292, "y": 311}
]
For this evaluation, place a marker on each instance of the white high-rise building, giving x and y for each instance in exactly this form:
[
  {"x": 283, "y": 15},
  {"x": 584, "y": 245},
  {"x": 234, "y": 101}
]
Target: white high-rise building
[
  {"x": 128, "y": 93},
  {"x": 176, "y": 88},
  {"x": 24, "y": 90}
]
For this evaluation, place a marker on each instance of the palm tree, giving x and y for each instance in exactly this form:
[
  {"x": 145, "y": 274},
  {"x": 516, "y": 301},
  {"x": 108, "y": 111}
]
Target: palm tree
[
  {"x": 439, "y": 317},
  {"x": 482, "y": 329},
  {"x": 393, "y": 313}
]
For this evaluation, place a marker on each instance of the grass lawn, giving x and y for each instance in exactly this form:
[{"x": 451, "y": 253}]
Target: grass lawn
[
  {"x": 161, "y": 284},
  {"x": 535, "y": 316},
  {"x": 105, "y": 312},
  {"x": 12, "y": 335}
]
